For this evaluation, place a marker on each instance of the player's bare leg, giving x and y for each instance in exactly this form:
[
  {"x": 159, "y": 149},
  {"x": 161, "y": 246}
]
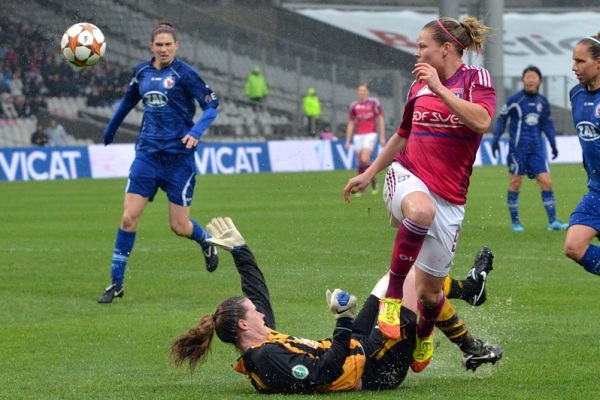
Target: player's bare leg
[{"x": 182, "y": 225}]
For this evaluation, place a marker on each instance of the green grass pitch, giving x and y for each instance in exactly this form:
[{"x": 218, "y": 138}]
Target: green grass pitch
[{"x": 56, "y": 240}]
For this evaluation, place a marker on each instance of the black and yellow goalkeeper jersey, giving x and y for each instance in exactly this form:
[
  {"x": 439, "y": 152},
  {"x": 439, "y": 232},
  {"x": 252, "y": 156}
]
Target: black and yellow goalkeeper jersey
[{"x": 291, "y": 364}]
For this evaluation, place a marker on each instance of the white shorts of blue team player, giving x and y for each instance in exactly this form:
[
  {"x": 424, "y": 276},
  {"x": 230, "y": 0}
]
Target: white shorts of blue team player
[
  {"x": 439, "y": 247},
  {"x": 364, "y": 141}
]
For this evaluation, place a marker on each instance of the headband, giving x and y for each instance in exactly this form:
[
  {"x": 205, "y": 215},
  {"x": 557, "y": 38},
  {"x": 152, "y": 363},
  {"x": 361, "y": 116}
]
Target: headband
[
  {"x": 163, "y": 29},
  {"x": 453, "y": 38},
  {"x": 594, "y": 39}
]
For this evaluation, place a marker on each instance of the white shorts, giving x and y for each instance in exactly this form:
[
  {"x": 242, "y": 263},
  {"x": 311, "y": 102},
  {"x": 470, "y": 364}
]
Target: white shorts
[
  {"x": 364, "y": 141},
  {"x": 439, "y": 247}
]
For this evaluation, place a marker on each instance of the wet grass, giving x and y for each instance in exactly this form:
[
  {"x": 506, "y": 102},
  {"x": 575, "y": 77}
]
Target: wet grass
[{"x": 56, "y": 241}]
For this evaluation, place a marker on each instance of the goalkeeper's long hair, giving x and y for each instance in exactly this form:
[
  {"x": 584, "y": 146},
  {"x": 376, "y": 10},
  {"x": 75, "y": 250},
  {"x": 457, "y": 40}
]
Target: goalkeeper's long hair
[{"x": 193, "y": 347}]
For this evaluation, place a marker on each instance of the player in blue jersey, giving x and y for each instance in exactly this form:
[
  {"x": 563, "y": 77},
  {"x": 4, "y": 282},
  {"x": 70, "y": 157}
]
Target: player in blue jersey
[
  {"x": 165, "y": 148},
  {"x": 584, "y": 224},
  {"x": 529, "y": 115}
]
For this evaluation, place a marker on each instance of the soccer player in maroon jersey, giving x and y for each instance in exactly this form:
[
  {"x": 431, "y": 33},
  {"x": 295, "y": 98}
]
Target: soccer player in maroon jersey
[
  {"x": 450, "y": 105},
  {"x": 365, "y": 114}
]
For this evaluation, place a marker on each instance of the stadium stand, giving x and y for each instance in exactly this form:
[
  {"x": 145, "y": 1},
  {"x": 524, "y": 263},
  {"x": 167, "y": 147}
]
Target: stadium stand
[
  {"x": 224, "y": 40},
  {"x": 224, "y": 65}
]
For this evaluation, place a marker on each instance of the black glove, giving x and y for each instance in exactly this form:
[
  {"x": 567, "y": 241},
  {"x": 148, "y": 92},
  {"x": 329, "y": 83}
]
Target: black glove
[
  {"x": 495, "y": 148},
  {"x": 554, "y": 152}
]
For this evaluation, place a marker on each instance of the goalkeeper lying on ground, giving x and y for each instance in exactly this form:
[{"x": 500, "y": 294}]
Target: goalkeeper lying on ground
[{"x": 357, "y": 357}]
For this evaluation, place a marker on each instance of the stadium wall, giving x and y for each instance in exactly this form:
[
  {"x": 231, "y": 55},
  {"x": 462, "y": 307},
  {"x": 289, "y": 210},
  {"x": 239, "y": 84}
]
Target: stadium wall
[{"x": 98, "y": 161}]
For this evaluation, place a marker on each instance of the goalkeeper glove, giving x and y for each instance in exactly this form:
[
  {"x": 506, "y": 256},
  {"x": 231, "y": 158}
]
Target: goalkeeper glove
[
  {"x": 224, "y": 234},
  {"x": 554, "y": 152},
  {"x": 495, "y": 148},
  {"x": 341, "y": 304}
]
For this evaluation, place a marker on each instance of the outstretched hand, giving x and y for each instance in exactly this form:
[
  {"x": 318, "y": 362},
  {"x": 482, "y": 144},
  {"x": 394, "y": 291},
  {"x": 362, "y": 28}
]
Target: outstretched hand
[
  {"x": 341, "y": 304},
  {"x": 224, "y": 234}
]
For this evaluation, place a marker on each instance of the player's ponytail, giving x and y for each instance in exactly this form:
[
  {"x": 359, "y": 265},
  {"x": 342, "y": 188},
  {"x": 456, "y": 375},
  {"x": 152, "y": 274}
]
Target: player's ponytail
[
  {"x": 468, "y": 34},
  {"x": 194, "y": 345}
]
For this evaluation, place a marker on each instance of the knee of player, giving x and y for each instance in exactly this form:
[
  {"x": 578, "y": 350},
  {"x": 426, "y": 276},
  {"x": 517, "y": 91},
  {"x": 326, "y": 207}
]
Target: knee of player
[
  {"x": 574, "y": 251},
  {"x": 428, "y": 297},
  {"x": 514, "y": 186},
  {"x": 180, "y": 229},
  {"x": 129, "y": 223},
  {"x": 422, "y": 214}
]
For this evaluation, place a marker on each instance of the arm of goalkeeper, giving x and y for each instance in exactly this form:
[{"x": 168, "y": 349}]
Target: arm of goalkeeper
[
  {"x": 224, "y": 234},
  {"x": 341, "y": 304}
]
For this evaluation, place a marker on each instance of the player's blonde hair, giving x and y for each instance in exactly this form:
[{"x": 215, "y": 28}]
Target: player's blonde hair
[{"x": 468, "y": 34}]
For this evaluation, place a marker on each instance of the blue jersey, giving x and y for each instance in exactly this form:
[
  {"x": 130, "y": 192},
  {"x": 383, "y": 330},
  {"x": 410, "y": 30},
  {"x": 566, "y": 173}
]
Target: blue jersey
[
  {"x": 169, "y": 96},
  {"x": 585, "y": 106},
  {"x": 529, "y": 116}
]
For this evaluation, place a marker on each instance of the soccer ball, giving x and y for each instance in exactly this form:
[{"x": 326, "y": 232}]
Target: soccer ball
[{"x": 83, "y": 44}]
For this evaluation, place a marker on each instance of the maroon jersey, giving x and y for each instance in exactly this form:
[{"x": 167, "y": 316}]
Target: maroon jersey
[
  {"x": 365, "y": 115},
  {"x": 441, "y": 150}
]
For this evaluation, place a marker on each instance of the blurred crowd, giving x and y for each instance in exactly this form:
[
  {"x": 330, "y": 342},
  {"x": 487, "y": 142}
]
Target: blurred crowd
[{"x": 33, "y": 70}]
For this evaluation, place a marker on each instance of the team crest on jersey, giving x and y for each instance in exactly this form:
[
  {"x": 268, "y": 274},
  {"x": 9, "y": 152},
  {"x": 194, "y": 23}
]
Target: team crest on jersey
[
  {"x": 539, "y": 107},
  {"x": 458, "y": 92},
  {"x": 169, "y": 82},
  {"x": 300, "y": 371},
  {"x": 597, "y": 111}
]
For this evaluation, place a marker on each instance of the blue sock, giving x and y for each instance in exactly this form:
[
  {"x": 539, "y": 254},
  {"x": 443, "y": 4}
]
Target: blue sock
[
  {"x": 591, "y": 260},
  {"x": 512, "y": 199},
  {"x": 549, "y": 204},
  {"x": 123, "y": 246},
  {"x": 199, "y": 235}
]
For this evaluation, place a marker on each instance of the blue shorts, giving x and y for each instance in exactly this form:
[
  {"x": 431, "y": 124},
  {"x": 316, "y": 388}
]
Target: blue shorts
[
  {"x": 527, "y": 164},
  {"x": 175, "y": 174},
  {"x": 587, "y": 211}
]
